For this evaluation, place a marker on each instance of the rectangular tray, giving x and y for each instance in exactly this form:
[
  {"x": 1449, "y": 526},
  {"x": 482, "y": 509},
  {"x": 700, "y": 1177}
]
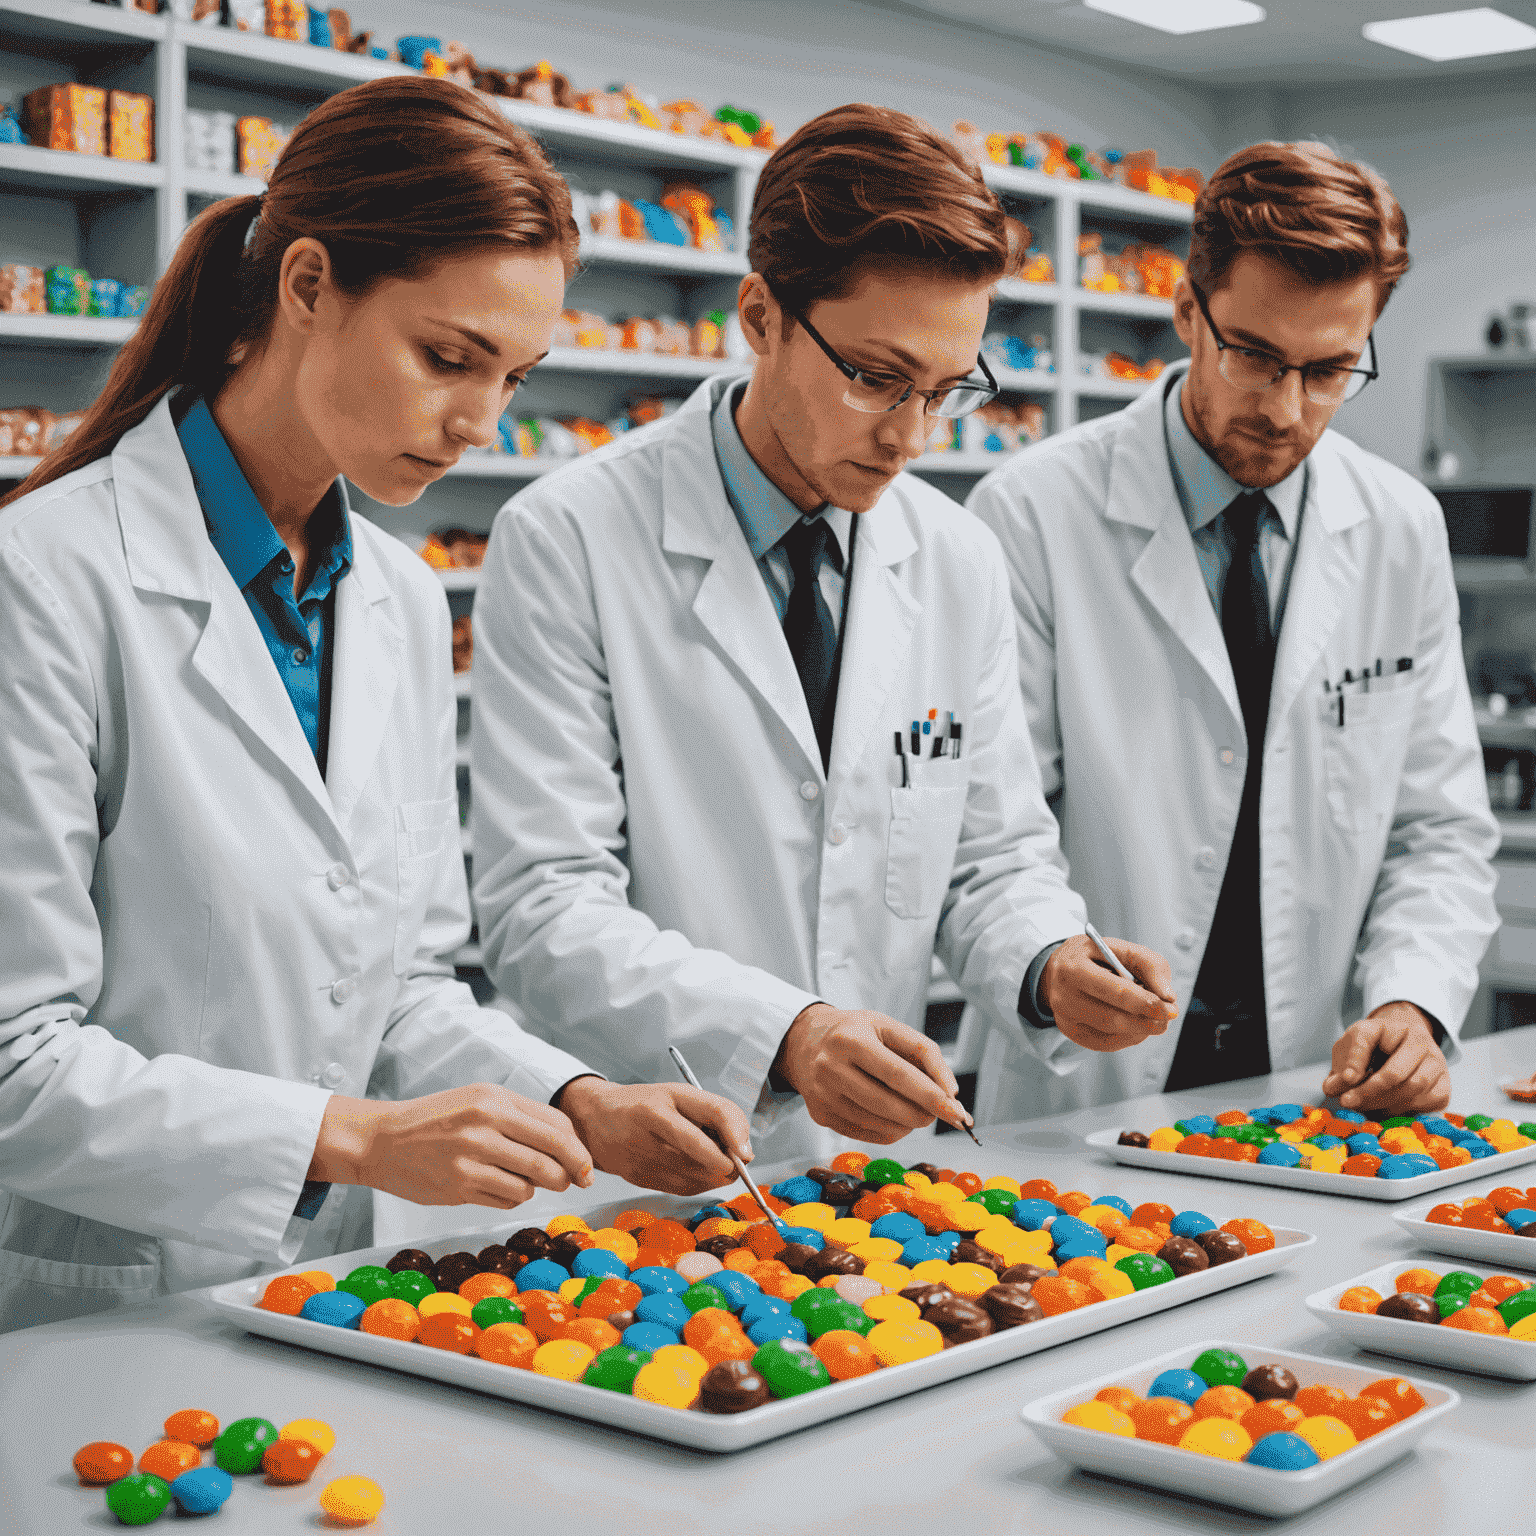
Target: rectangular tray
[
  {"x": 1304, "y": 1178},
  {"x": 716, "y": 1432},
  {"x": 1262, "y": 1490},
  {"x": 1465, "y": 1242},
  {"x": 1480, "y": 1352}
]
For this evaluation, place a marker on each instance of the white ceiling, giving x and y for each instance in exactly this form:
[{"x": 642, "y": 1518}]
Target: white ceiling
[{"x": 1300, "y": 43}]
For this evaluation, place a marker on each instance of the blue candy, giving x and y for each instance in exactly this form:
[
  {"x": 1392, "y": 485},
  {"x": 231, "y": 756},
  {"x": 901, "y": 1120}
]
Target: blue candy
[
  {"x": 1065, "y": 1228},
  {"x": 340, "y": 1309},
  {"x": 1284, "y": 1452},
  {"x": 920, "y": 1249},
  {"x": 1196, "y": 1125},
  {"x": 1093, "y": 1247},
  {"x": 797, "y": 1191},
  {"x": 1123, "y": 1206},
  {"x": 1188, "y": 1223},
  {"x": 652, "y": 1279},
  {"x": 1184, "y": 1385},
  {"x": 649, "y": 1337},
  {"x": 1353, "y": 1116},
  {"x": 1326, "y": 1143},
  {"x": 777, "y": 1325},
  {"x": 898, "y": 1226},
  {"x": 1521, "y": 1216},
  {"x": 699, "y": 1217},
  {"x": 1286, "y": 1113},
  {"x": 663, "y": 1308},
  {"x": 1031, "y": 1215},
  {"x": 545, "y": 1275},
  {"x": 202, "y": 1490},
  {"x": 1278, "y": 1154},
  {"x": 1436, "y": 1126},
  {"x": 1409, "y": 1165},
  {"x": 1265, "y": 1116},
  {"x": 598, "y": 1261},
  {"x": 737, "y": 1288},
  {"x": 1363, "y": 1142},
  {"x": 1479, "y": 1149},
  {"x": 763, "y": 1306},
  {"x": 807, "y": 1235}
]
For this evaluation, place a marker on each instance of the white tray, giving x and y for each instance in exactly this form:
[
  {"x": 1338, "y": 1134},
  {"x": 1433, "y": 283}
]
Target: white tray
[
  {"x": 1465, "y": 1242},
  {"x": 709, "y": 1431},
  {"x": 1304, "y": 1178},
  {"x": 1263, "y": 1490},
  {"x": 1432, "y": 1343}
]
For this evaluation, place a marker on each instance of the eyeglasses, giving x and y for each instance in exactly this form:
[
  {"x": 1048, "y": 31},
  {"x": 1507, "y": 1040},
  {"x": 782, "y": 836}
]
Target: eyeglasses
[
  {"x": 875, "y": 393},
  {"x": 1255, "y": 370}
]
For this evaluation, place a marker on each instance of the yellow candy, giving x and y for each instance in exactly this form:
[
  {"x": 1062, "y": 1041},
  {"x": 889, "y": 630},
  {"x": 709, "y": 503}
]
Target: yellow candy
[
  {"x": 932, "y": 1269},
  {"x": 1097, "y": 1415},
  {"x": 848, "y": 1229},
  {"x": 945, "y": 1194},
  {"x": 894, "y": 1277},
  {"x": 894, "y": 1343},
  {"x": 918, "y": 1181},
  {"x": 670, "y": 1385},
  {"x": 1525, "y": 1328},
  {"x": 796, "y": 1285},
  {"x": 875, "y": 1250},
  {"x": 1110, "y": 1282},
  {"x": 571, "y": 1289},
  {"x": 566, "y": 1224},
  {"x": 1118, "y": 1251},
  {"x": 1164, "y": 1139},
  {"x": 316, "y": 1431},
  {"x": 1328, "y": 1159},
  {"x": 564, "y": 1359},
  {"x": 1326, "y": 1434},
  {"x": 443, "y": 1301},
  {"x": 681, "y": 1357},
  {"x": 894, "y": 1309},
  {"x": 1002, "y": 1181},
  {"x": 1502, "y": 1127},
  {"x": 1223, "y": 1438},
  {"x": 622, "y": 1245},
  {"x": 1105, "y": 1218},
  {"x": 811, "y": 1214},
  {"x": 321, "y": 1279},
  {"x": 1290, "y": 1133},
  {"x": 352, "y": 1500},
  {"x": 970, "y": 1280}
]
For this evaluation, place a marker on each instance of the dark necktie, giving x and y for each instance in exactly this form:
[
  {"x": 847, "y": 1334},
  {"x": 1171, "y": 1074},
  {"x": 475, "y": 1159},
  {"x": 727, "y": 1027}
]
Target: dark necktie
[
  {"x": 1225, "y": 1033},
  {"x": 808, "y": 625}
]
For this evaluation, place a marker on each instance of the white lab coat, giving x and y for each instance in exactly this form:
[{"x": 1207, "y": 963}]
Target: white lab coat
[
  {"x": 1376, "y": 838},
  {"x": 660, "y": 858},
  {"x": 201, "y": 938}
]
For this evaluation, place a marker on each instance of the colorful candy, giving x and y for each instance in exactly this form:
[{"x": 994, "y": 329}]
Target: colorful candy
[
  {"x": 1499, "y": 1305},
  {"x": 352, "y": 1500},
  {"x": 138, "y": 1498}
]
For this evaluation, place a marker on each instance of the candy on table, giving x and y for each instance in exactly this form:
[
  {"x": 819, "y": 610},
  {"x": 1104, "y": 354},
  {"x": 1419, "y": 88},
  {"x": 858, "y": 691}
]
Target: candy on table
[
  {"x": 67, "y": 116},
  {"x": 202, "y": 1491},
  {"x": 102, "y": 1461},
  {"x": 1506, "y": 1209},
  {"x": 138, "y": 1498},
  {"x": 352, "y": 1500}
]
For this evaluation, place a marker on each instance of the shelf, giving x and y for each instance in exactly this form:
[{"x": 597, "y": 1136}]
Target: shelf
[
  {"x": 470, "y": 958},
  {"x": 683, "y": 260},
  {"x": 461, "y": 679},
  {"x": 1035, "y": 381},
  {"x": 647, "y": 365},
  {"x": 222, "y": 184},
  {"x": 62, "y": 170},
  {"x": 460, "y": 581},
  {"x": 500, "y": 466},
  {"x": 1103, "y": 196},
  {"x": 466, "y": 842},
  {"x": 17, "y": 467},
  {"x": 1014, "y": 290},
  {"x": 957, "y": 463},
  {"x": 1113, "y": 389},
  {"x": 77, "y": 22},
  {"x": 1137, "y": 305},
  {"x": 65, "y": 330},
  {"x": 248, "y": 58},
  {"x": 627, "y": 141}
]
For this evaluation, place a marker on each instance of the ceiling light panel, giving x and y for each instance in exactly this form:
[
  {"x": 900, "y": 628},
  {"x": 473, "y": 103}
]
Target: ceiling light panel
[
  {"x": 1453, "y": 34},
  {"x": 1182, "y": 16}
]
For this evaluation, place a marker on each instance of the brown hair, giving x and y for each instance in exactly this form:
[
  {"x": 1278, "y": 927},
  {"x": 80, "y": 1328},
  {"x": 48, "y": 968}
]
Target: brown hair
[
  {"x": 392, "y": 177},
  {"x": 865, "y": 183},
  {"x": 1328, "y": 220}
]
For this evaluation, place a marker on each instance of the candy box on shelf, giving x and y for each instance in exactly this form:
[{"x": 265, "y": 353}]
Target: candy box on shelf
[
  {"x": 1496, "y": 1228},
  {"x": 130, "y": 125},
  {"x": 68, "y": 290},
  {"x": 1265, "y": 1490},
  {"x": 22, "y": 290},
  {"x": 67, "y": 116}
]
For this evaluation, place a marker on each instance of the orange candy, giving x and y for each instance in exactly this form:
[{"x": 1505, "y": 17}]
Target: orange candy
[
  {"x": 765, "y": 1241},
  {"x": 1163, "y": 1419},
  {"x": 1400, "y": 1396},
  {"x": 1073, "y": 1201},
  {"x": 1253, "y": 1235},
  {"x": 725, "y": 1344},
  {"x": 713, "y": 1227},
  {"x": 845, "y": 1354},
  {"x": 967, "y": 1183},
  {"x": 1502, "y": 1287},
  {"x": 290, "y": 1461},
  {"x": 1360, "y": 1298},
  {"x": 1150, "y": 1214},
  {"x": 1117, "y": 1397},
  {"x": 451, "y": 1331},
  {"x": 103, "y": 1461},
  {"x": 1444, "y": 1215},
  {"x": 1110, "y": 1221},
  {"x": 1142, "y": 1239},
  {"x": 1198, "y": 1145},
  {"x": 851, "y": 1162},
  {"x": 1476, "y": 1319},
  {"x": 1505, "y": 1198},
  {"x": 666, "y": 1233},
  {"x": 613, "y": 1295},
  {"x": 1242, "y": 1151},
  {"x": 391, "y": 1319},
  {"x": 1365, "y": 1416},
  {"x": 596, "y": 1333},
  {"x": 169, "y": 1459},
  {"x": 871, "y": 1207},
  {"x": 1034, "y": 1189},
  {"x": 1320, "y": 1398},
  {"x": 544, "y": 1313},
  {"x": 1274, "y": 1416},
  {"x": 1233, "y": 1117},
  {"x": 1223, "y": 1403},
  {"x": 508, "y": 1344},
  {"x": 194, "y": 1425},
  {"x": 1421, "y": 1282},
  {"x": 1361, "y": 1166},
  {"x": 486, "y": 1283},
  {"x": 742, "y": 1260},
  {"x": 1056, "y": 1295},
  {"x": 286, "y": 1294},
  {"x": 633, "y": 1221},
  {"x": 1484, "y": 1218}
]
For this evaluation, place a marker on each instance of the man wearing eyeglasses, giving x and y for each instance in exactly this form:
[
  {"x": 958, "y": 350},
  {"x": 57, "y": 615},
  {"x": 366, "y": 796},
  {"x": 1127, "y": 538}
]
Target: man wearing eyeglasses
[
  {"x": 1241, "y": 661},
  {"x": 748, "y": 741}
]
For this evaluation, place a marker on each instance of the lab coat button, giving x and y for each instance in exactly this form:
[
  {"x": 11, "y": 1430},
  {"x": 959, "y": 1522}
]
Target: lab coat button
[
  {"x": 337, "y": 876},
  {"x": 838, "y": 834},
  {"x": 1186, "y": 938},
  {"x": 1228, "y": 757},
  {"x": 1206, "y": 858},
  {"x": 334, "y": 1075},
  {"x": 343, "y": 989},
  {"x": 300, "y": 656},
  {"x": 809, "y": 790}
]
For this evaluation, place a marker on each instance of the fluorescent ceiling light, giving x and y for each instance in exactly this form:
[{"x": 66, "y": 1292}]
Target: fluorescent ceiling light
[
  {"x": 1182, "y": 16},
  {"x": 1453, "y": 34}
]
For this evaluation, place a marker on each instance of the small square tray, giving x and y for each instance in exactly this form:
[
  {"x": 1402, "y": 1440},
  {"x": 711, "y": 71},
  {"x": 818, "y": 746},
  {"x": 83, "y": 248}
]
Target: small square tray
[
  {"x": 1465, "y": 1242},
  {"x": 708, "y": 1431},
  {"x": 1262, "y": 1490},
  {"x": 1486, "y": 1354},
  {"x": 1303, "y": 1178}
]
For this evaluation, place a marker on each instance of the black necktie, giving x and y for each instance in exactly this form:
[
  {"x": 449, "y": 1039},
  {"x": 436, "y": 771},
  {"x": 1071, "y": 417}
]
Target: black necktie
[
  {"x": 808, "y": 625},
  {"x": 1226, "y": 1035}
]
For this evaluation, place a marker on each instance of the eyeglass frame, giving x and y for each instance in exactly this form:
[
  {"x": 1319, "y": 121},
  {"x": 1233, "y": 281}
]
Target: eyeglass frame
[
  {"x": 851, "y": 373},
  {"x": 1223, "y": 345}
]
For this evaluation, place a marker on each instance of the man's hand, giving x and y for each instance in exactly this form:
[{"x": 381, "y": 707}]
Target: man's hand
[
  {"x": 864, "y": 1075},
  {"x": 479, "y": 1145},
  {"x": 1414, "y": 1077},
  {"x": 1099, "y": 1009},
  {"x": 663, "y": 1136}
]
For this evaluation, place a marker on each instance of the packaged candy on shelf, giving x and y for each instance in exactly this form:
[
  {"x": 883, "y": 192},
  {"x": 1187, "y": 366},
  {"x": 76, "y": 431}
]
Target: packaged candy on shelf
[
  {"x": 130, "y": 126},
  {"x": 288, "y": 19},
  {"x": 67, "y": 116},
  {"x": 132, "y": 301},
  {"x": 543, "y": 85},
  {"x": 248, "y": 15},
  {"x": 662, "y": 224},
  {"x": 320, "y": 35},
  {"x": 10, "y": 127},
  {"x": 23, "y": 290},
  {"x": 707, "y": 338},
  {"x": 746, "y": 129},
  {"x": 208, "y": 141},
  {"x": 60, "y": 424},
  {"x": 343, "y": 38},
  {"x": 69, "y": 290},
  {"x": 23, "y": 431},
  {"x": 413, "y": 50},
  {"x": 1012, "y": 354},
  {"x": 206, "y": 13},
  {"x": 105, "y": 294},
  {"x": 697, "y": 208},
  {"x": 260, "y": 143}
]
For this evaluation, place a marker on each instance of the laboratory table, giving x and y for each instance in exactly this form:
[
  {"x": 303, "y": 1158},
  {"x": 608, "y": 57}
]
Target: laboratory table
[{"x": 953, "y": 1457}]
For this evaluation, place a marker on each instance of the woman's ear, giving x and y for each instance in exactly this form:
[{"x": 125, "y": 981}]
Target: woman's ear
[{"x": 305, "y": 275}]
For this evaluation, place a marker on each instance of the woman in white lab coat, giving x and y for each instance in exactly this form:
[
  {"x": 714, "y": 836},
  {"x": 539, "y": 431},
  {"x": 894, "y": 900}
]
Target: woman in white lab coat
[{"x": 233, "y": 882}]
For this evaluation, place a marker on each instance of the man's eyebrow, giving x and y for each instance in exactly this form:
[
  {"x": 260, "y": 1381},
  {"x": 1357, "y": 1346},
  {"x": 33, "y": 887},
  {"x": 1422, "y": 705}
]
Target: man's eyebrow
[
  {"x": 1265, "y": 345},
  {"x": 903, "y": 357}
]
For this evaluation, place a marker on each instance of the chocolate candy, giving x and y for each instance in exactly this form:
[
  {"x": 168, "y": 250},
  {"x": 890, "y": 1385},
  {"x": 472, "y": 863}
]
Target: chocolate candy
[
  {"x": 533, "y": 1242},
  {"x": 453, "y": 1269},
  {"x": 499, "y": 1260},
  {"x": 1023, "y": 1274},
  {"x": 928, "y": 1170},
  {"x": 832, "y": 1261},
  {"x": 1010, "y": 1305},
  {"x": 622, "y": 1320},
  {"x": 841, "y": 1190},
  {"x": 1267, "y": 1381},
  {"x": 719, "y": 1245},
  {"x": 958, "y": 1320},
  {"x": 795, "y": 1256},
  {"x": 411, "y": 1258},
  {"x": 821, "y": 1176},
  {"x": 568, "y": 1245},
  {"x": 1220, "y": 1247},
  {"x": 1409, "y": 1307},
  {"x": 926, "y": 1293},
  {"x": 732, "y": 1386},
  {"x": 1184, "y": 1256},
  {"x": 969, "y": 1252},
  {"x": 1134, "y": 1139}
]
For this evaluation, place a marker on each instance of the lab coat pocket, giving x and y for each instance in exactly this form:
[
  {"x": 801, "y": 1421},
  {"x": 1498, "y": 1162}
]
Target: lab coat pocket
[
  {"x": 1363, "y": 758},
  {"x": 34, "y": 1290},
  {"x": 920, "y": 856},
  {"x": 421, "y": 829}
]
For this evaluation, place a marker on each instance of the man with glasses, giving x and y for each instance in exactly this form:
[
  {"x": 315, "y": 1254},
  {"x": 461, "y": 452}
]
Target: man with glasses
[
  {"x": 748, "y": 740},
  {"x": 1241, "y": 661}
]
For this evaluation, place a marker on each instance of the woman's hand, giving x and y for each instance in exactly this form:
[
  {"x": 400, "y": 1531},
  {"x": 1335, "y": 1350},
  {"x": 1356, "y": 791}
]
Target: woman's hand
[
  {"x": 658, "y": 1135},
  {"x": 480, "y": 1145}
]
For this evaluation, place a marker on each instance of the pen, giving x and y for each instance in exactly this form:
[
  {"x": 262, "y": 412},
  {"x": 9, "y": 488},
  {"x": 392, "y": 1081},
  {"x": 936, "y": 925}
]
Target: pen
[
  {"x": 741, "y": 1169},
  {"x": 1110, "y": 955},
  {"x": 903, "y": 757},
  {"x": 956, "y": 732},
  {"x": 939, "y": 743},
  {"x": 917, "y": 740}
]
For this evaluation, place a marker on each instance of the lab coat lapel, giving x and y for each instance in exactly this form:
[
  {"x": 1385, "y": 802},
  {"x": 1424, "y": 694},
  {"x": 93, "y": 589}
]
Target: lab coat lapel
[
  {"x": 731, "y": 603},
  {"x": 1166, "y": 573},
  {"x": 878, "y": 619}
]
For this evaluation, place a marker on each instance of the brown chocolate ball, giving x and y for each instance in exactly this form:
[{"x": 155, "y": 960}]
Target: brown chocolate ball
[
  {"x": 719, "y": 1245},
  {"x": 453, "y": 1269},
  {"x": 967, "y": 1251},
  {"x": 1220, "y": 1247},
  {"x": 928, "y": 1170},
  {"x": 958, "y": 1319},
  {"x": 1267, "y": 1381},
  {"x": 1184, "y": 1256},
  {"x": 833, "y": 1261},
  {"x": 926, "y": 1292},
  {"x": 1010, "y": 1305},
  {"x": 1023, "y": 1274},
  {"x": 795, "y": 1256},
  {"x": 411, "y": 1258},
  {"x": 1409, "y": 1307},
  {"x": 568, "y": 1245},
  {"x": 499, "y": 1260},
  {"x": 622, "y": 1320},
  {"x": 732, "y": 1386},
  {"x": 533, "y": 1241},
  {"x": 841, "y": 1190},
  {"x": 821, "y": 1175},
  {"x": 1134, "y": 1139}
]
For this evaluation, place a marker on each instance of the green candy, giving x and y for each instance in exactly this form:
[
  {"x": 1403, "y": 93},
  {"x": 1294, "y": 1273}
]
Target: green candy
[
  {"x": 1396, "y": 1120},
  {"x": 884, "y": 1170},
  {"x": 1145, "y": 1269},
  {"x": 995, "y": 1202},
  {"x": 1221, "y": 1368},
  {"x": 789, "y": 1368},
  {"x": 495, "y": 1309},
  {"x": 1451, "y": 1301},
  {"x": 1521, "y": 1304},
  {"x": 243, "y": 1444},
  {"x": 369, "y": 1283},
  {"x": 808, "y": 1303},
  {"x": 1182, "y": 1127},
  {"x": 1527, "y": 1128},
  {"x": 1458, "y": 1280},
  {"x": 138, "y": 1498},
  {"x": 700, "y": 1296},
  {"x": 1479, "y": 1122},
  {"x": 844, "y": 1315},
  {"x": 590, "y": 1284},
  {"x": 410, "y": 1285},
  {"x": 615, "y": 1369}
]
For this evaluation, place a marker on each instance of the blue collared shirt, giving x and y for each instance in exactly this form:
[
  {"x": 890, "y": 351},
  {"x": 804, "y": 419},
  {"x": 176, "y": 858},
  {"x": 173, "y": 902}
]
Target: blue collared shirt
[{"x": 297, "y": 631}]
